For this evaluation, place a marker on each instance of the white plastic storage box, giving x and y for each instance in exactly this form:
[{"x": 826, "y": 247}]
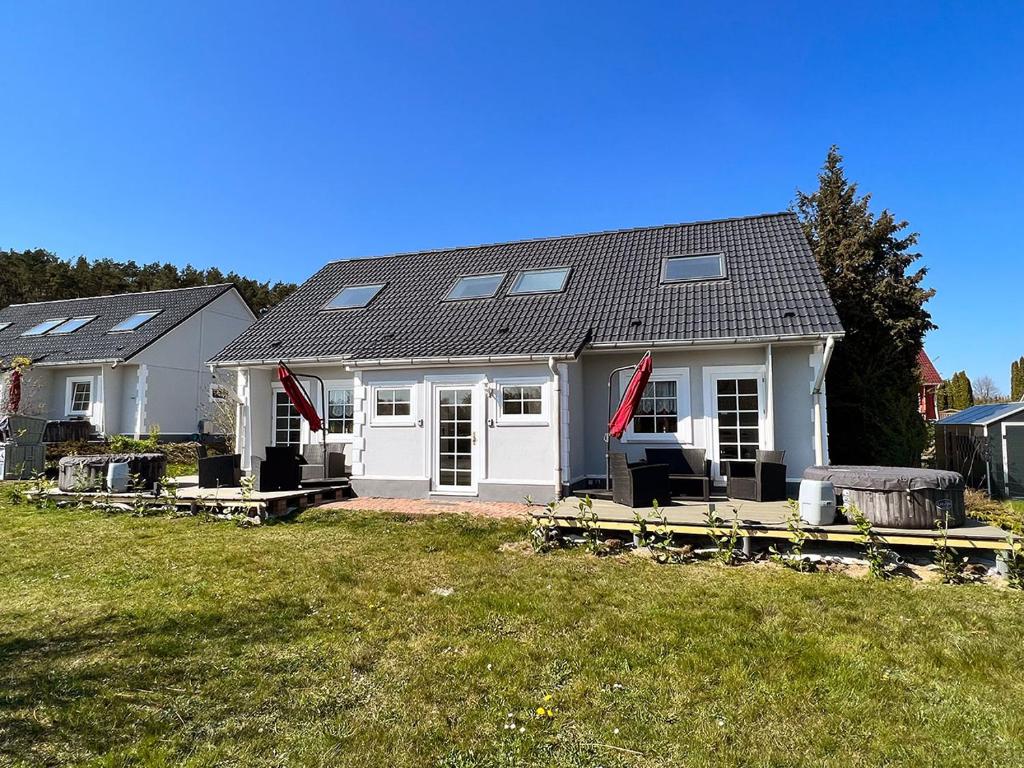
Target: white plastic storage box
[{"x": 817, "y": 502}]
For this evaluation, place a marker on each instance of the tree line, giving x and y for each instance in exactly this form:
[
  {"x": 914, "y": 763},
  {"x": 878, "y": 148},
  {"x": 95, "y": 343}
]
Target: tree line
[
  {"x": 39, "y": 275},
  {"x": 959, "y": 392}
]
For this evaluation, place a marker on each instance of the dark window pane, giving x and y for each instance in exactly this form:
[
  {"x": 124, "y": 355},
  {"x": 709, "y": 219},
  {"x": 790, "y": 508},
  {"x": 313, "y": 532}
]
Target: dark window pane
[
  {"x": 447, "y": 461},
  {"x": 402, "y": 409},
  {"x": 666, "y": 424},
  {"x": 748, "y": 419},
  {"x": 531, "y": 393},
  {"x": 464, "y": 445},
  {"x": 532, "y": 407},
  {"x": 748, "y": 386},
  {"x": 726, "y": 386},
  {"x": 727, "y": 452},
  {"x": 643, "y": 425},
  {"x": 726, "y": 403},
  {"x": 475, "y": 286},
  {"x": 727, "y": 419},
  {"x": 447, "y": 477},
  {"x": 749, "y": 436},
  {"x": 693, "y": 268},
  {"x": 748, "y": 402},
  {"x": 748, "y": 451},
  {"x": 665, "y": 389},
  {"x": 539, "y": 281},
  {"x": 512, "y": 407}
]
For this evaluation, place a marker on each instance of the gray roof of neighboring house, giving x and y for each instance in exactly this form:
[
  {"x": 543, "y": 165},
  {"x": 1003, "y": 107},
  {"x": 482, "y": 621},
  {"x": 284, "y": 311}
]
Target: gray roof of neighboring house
[
  {"x": 980, "y": 415},
  {"x": 614, "y": 294},
  {"x": 93, "y": 341}
]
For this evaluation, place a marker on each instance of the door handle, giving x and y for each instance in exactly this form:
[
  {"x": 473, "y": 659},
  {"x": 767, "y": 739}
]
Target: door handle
[{"x": 474, "y": 438}]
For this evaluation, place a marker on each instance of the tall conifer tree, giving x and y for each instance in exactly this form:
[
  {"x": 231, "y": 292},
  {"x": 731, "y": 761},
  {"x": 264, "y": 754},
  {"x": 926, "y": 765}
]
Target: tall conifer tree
[{"x": 866, "y": 261}]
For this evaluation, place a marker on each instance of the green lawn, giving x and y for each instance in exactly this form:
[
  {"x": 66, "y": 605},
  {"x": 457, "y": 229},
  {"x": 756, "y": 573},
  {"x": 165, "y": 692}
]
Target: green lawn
[{"x": 156, "y": 641}]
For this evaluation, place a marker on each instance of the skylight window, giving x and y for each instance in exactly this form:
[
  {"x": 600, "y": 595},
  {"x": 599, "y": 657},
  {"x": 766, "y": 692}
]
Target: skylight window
[
  {"x": 475, "y": 287},
  {"x": 540, "y": 281},
  {"x": 678, "y": 269},
  {"x": 43, "y": 327},
  {"x": 134, "y": 321},
  {"x": 354, "y": 296},
  {"x": 72, "y": 325}
]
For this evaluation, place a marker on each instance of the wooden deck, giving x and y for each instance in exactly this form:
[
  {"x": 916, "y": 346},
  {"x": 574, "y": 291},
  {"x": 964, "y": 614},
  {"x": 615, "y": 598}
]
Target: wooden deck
[
  {"x": 188, "y": 496},
  {"x": 766, "y": 520}
]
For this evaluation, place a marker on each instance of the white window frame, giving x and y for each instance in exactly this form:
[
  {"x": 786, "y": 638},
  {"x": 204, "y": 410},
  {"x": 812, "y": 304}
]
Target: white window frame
[
  {"x": 69, "y": 389},
  {"x": 343, "y": 384},
  {"x": 394, "y": 421},
  {"x": 303, "y": 426},
  {"x": 523, "y": 419},
  {"x": 684, "y": 411},
  {"x": 712, "y": 373}
]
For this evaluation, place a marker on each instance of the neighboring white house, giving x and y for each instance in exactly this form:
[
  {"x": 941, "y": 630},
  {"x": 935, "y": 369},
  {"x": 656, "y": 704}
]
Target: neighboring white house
[
  {"x": 125, "y": 363},
  {"x": 483, "y": 371}
]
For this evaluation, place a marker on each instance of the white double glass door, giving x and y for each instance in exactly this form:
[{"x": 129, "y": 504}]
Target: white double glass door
[
  {"x": 455, "y": 439},
  {"x": 738, "y": 426}
]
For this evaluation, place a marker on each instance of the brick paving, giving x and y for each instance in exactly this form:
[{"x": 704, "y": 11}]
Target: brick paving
[{"x": 433, "y": 507}]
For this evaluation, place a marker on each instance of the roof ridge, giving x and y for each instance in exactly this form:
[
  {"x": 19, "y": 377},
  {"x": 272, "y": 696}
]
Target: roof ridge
[
  {"x": 125, "y": 293},
  {"x": 594, "y": 233}
]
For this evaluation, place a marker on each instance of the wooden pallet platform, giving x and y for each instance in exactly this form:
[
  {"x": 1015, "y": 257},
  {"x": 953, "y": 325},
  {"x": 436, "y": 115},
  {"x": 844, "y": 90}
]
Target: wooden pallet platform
[
  {"x": 765, "y": 521},
  {"x": 188, "y": 496}
]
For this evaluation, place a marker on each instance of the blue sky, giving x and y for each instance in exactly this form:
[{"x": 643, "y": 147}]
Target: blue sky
[{"x": 270, "y": 137}]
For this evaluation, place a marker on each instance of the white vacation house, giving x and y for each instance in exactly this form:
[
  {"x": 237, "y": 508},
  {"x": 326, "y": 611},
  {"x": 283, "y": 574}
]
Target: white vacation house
[
  {"x": 123, "y": 363},
  {"x": 483, "y": 371}
]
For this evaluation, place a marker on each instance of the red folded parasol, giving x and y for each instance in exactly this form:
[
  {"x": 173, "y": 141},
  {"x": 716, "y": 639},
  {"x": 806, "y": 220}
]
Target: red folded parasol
[
  {"x": 14, "y": 392},
  {"x": 631, "y": 398},
  {"x": 298, "y": 397}
]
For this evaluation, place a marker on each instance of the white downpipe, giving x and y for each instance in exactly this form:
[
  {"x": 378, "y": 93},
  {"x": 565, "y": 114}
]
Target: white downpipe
[
  {"x": 556, "y": 423},
  {"x": 819, "y": 382}
]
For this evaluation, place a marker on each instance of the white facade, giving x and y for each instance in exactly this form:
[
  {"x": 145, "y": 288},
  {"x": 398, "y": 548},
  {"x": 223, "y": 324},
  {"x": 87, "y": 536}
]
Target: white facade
[
  {"x": 166, "y": 385},
  {"x": 504, "y": 432}
]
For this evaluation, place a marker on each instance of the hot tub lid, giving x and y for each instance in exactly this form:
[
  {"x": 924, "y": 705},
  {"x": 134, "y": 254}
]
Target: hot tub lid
[{"x": 885, "y": 478}]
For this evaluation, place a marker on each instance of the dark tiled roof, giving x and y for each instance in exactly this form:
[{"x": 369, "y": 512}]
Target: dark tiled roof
[
  {"x": 92, "y": 341},
  {"x": 772, "y": 288}
]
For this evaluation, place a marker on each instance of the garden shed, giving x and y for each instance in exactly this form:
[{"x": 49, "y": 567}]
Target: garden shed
[{"x": 985, "y": 443}]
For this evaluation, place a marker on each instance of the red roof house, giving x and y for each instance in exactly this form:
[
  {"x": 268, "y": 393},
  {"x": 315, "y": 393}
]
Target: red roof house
[{"x": 930, "y": 380}]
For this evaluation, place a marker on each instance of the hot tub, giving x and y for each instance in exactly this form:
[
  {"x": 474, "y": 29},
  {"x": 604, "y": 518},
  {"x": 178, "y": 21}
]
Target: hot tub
[
  {"x": 89, "y": 473},
  {"x": 898, "y": 497}
]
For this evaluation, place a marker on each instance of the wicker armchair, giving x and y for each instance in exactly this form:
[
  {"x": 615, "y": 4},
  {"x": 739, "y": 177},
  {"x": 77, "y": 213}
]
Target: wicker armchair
[
  {"x": 686, "y": 466},
  {"x": 313, "y": 469},
  {"x": 638, "y": 485},
  {"x": 763, "y": 479},
  {"x": 280, "y": 471},
  {"x": 220, "y": 471}
]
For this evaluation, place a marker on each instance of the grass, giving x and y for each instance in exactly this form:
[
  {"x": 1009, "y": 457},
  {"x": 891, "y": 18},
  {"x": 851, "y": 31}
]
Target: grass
[
  {"x": 158, "y": 641},
  {"x": 1005, "y": 514}
]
